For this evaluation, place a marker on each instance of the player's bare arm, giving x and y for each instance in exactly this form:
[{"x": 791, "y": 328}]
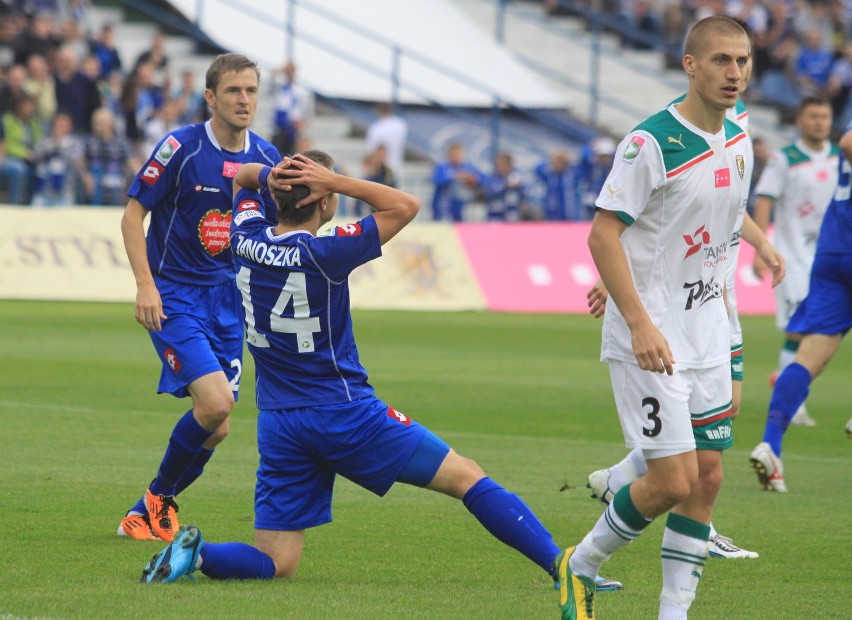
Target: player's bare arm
[
  {"x": 765, "y": 251},
  {"x": 762, "y": 215},
  {"x": 394, "y": 209},
  {"x": 149, "y": 306},
  {"x": 597, "y": 297},
  {"x": 650, "y": 347}
]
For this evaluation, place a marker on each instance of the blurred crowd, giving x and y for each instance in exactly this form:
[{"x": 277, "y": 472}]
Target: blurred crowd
[
  {"x": 801, "y": 47},
  {"x": 77, "y": 118}
]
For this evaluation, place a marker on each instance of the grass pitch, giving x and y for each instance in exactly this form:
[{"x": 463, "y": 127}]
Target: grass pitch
[{"x": 82, "y": 433}]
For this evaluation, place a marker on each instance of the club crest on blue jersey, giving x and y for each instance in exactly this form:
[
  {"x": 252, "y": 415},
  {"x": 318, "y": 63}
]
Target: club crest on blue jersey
[
  {"x": 349, "y": 230},
  {"x": 214, "y": 231},
  {"x": 167, "y": 150}
]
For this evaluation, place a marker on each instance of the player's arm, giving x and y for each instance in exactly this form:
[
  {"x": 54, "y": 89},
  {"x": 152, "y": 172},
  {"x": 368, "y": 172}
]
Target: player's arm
[
  {"x": 254, "y": 176},
  {"x": 649, "y": 345},
  {"x": 762, "y": 215},
  {"x": 393, "y": 208},
  {"x": 764, "y": 250},
  {"x": 597, "y": 297},
  {"x": 149, "y": 306},
  {"x": 845, "y": 145}
]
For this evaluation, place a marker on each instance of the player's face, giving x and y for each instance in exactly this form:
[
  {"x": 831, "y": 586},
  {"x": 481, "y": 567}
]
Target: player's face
[
  {"x": 814, "y": 122},
  {"x": 235, "y": 99},
  {"x": 720, "y": 69}
]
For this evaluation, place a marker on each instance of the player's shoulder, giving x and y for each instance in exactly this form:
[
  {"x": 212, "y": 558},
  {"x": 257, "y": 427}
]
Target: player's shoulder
[
  {"x": 265, "y": 150},
  {"x": 677, "y": 143},
  {"x": 792, "y": 155}
]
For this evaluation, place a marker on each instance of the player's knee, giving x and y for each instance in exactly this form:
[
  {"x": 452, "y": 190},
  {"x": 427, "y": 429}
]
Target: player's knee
[{"x": 212, "y": 411}]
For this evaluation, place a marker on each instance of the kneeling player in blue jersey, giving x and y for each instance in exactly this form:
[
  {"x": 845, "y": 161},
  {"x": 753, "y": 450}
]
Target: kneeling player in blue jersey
[{"x": 319, "y": 416}]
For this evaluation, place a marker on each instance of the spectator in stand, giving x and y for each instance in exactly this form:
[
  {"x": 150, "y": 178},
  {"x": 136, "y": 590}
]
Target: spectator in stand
[
  {"x": 391, "y": 131},
  {"x": 192, "y": 108},
  {"x": 73, "y": 36},
  {"x": 377, "y": 170},
  {"x": 839, "y": 89},
  {"x": 104, "y": 48},
  {"x": 76, "y": 94},
  {"x": 140, "y": 100},
  {"x": 642, "y": 21},
  {"x": 40, "y": 37},
  {"x": 108, "y": 162},
  {"x": 111, "y": 90},
  {"x": 753, "y": 12},
  {"x": 774, "y": 48},
  {"x": 559, "y": 200},
  {"x": 157, "y": 57},
  {"x": 12, "y": 86},
  {"x": 505, "y": 191},
  {"x": 294, "y": 107},
  {"x": 164, "y": 122},
  {"x": 8, "y": 37},
  {"x": 39, "y": 83},
  {"x": 813, "y": 65},
  {"x": 595, "y": 164},
  {"x": 455, "y": 182},
  {"x": 56, "y": 158},
  {"x": 22, "y": 132}
]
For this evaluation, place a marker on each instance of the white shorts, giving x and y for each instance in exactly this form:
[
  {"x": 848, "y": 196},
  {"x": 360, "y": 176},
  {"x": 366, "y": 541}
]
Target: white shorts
[
  {"x": 790, "y": 293},
  {"x": 686, "y": 411}
]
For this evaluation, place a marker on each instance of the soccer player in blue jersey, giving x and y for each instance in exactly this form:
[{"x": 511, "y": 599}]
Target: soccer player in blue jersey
[
  {"x": 823, "y": 317},
  {"x": 319, "y": 417},
  {"x": 186, "y": 297}
]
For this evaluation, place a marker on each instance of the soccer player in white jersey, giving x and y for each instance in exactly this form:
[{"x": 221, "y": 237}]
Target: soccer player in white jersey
[
  {"x": 605, "y": 483},
  {"x": 660, "y": 240},
  {"x": 797, "y": 185}
]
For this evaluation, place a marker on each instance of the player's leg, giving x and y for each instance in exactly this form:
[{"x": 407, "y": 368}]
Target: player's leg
[
  {"x": 790, "y": 391},
  {"x": 502, "y": 513},
  {"x": 200, "y": 348},
  {"x": 788, "y": 355},
  {"x": 685, "y": 539}
]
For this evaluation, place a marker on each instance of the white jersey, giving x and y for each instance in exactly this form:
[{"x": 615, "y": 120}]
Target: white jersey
[
  {"x": 801, "y": 181},
  {"x": 680, "y": 191},
  {"x": 739, "y": 115}
]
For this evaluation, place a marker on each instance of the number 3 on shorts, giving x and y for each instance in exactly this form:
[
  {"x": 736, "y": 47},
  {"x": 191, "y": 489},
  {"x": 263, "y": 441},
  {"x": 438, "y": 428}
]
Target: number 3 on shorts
[{"x": 653, "y": 416}]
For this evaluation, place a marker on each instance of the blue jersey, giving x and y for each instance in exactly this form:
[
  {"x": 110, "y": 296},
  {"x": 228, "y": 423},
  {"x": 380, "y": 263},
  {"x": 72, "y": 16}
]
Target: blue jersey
[
  {"x": 295, "y": 294},
  {"x": 835, "y": 236},
  {"x": 187, "y": 185},
  {"x": 451, "y": 193}
]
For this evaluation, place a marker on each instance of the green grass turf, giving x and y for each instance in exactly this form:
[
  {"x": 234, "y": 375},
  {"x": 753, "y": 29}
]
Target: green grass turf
[{"x": 82, "y": 432}]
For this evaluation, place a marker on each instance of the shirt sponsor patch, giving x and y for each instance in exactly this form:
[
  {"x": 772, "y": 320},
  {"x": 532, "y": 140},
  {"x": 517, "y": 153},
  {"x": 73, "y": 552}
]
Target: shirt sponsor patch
[
  {"x": 633, "y": 147},
  {"x": 239, "y": 218},
  {"x": 229, "y": 169},
  {"x": 723, "y": 177},
  {"x": 214, "y": 231},
  {"x": 167, "y": 150},
  {"x": 152, "y": 173},
  {"x": 349, "y": 230}
]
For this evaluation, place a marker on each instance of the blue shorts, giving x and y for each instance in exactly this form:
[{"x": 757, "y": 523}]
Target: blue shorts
[
  {"x": 202, "y": 334},
  {"x": 366, "y": 441},
  {"x": 828, "y": 307}
]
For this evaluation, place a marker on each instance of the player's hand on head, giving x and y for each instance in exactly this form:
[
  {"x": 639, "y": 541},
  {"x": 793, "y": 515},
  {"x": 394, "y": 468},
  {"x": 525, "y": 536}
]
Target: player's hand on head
[
  {"x": 276, "y": 179},
  {"x": 300, "y": 170}
]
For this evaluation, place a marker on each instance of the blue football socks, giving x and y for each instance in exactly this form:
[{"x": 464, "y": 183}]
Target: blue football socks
[
  {"x": 510, "y": 521},
  {"x": 186, "y": 442},
  {"x": 791, "y": 390},
  {"x": 235, "y": 561}
]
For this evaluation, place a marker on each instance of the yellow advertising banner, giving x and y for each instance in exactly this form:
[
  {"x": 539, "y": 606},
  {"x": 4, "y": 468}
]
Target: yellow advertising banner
[
  {"x": 77, "y": 254},
  {"x": 65, "y": 254}
]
